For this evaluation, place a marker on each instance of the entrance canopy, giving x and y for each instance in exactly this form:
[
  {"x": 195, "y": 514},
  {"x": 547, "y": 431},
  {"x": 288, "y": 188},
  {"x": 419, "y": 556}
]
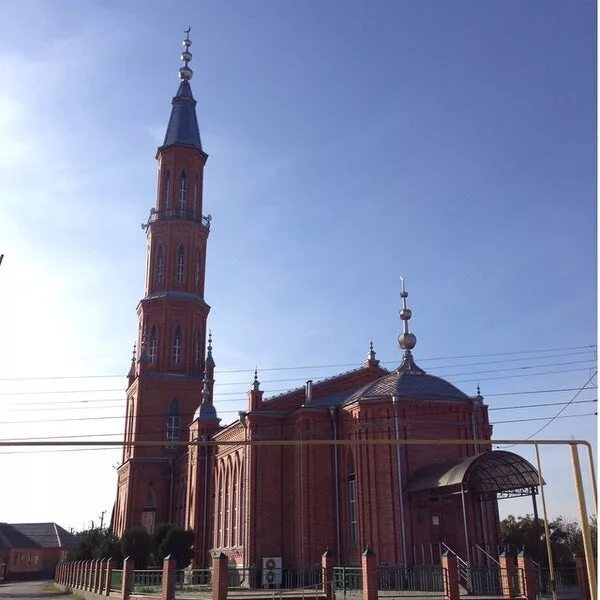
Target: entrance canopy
[{"x": 488, "y": 473}]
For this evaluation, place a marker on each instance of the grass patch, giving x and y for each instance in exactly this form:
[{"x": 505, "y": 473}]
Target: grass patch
[
  {"x": 77, "y": 597},
  {"x": 51, "y": 587}
]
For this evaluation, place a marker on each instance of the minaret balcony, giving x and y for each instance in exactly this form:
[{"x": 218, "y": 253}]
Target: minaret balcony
[{"x": 177, "y": 215}]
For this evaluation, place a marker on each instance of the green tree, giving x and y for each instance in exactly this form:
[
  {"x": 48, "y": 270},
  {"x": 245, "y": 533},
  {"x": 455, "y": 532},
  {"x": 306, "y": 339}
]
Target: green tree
[
  {"x": 110, "y": 547},
  {"x": 178, "y": 543},
  {"x": 88, "y": 542},
  {"x": 158, "y": 535},
  {"x": 137, "y": 543}
]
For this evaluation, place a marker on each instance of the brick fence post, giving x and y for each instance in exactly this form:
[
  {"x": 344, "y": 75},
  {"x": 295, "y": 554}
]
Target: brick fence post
[
  {"x": 168, "y": 578},
  {"x": 81, "y": 579},
  {"x": 127, "y": 578},
  {"x": 108, "y": 576},
  {"x": 369, "y": 574},
  {"x": 582, "y": 578},
  {"x": 90, "y": 575},
  {"x": 97, "y": 575},
  {"x": 219, "y": 576},
  {"x": 85, "y": 574},
  {"x": 69, "y": 574},
  {"x": 528, "y": 579},
  {"x": 77, "y": 574},
  {"x": 57, "y": 573},
  {"x": 507, "y": 568},
  {"x": 327, "y": 571},
  {"x": 450, "y": 577}
]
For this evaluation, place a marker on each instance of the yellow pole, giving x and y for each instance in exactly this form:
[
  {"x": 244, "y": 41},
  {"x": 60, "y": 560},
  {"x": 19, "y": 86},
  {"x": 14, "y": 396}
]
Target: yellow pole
[
  {"x": 593, "y": 473},
  {"x": 546, "y": 528},
  {"x": 585, "y": 524}
]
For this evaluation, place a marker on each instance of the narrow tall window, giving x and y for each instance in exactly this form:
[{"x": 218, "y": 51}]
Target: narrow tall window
[
  {"x": 152, "y": 344},
  {"x": 196, "y": 198},
  {"x": 177, "y": 345},
  {"x": 149, "y": 512},
  {"x": 227, "y": 527},
  {"x": 180, "y": 264},
  {"x": 159, "y": 265},
  {"x": 219, "y": 540},
  {"x": 234, "y": 506},
  {"x": 197, "y": 350},
  {"x": 168, "y": 192},
  {"x": 352, "y": 503},
  {"x": 197, "y": 270},
  {"x": 183, "y": 187},
  {"x": 173, "y": 423}
]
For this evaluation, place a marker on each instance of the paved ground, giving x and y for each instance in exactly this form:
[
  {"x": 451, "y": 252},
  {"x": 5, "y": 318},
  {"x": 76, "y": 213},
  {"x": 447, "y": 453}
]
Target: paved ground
[{"x": 24, "y": 590}]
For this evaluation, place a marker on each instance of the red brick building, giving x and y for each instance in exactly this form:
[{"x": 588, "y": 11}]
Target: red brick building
[{"x": 291, "y": 501}]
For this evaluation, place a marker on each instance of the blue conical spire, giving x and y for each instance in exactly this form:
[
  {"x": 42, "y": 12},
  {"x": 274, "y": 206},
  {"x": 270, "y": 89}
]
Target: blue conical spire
[{"x": 183, "y": 124}]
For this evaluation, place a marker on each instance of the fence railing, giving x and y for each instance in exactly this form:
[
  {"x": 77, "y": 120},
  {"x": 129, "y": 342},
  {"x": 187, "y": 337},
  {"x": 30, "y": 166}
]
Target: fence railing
[
  {"x": 147, "y": 581},
  {"x": 485, "y": 581},
  {"x": 347, "y": 578},
  {"x": 116, "y": 580},
  {"x": 565, "y": 579},
  {"x": 288, "y": 578},
  {"x": 418, "y": 578}
]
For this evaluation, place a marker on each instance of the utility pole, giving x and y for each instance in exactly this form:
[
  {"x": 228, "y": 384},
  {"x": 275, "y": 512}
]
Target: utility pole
[{"x": 102, "y": 520}]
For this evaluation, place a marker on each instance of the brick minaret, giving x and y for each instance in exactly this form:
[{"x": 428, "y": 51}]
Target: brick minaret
[{"x": 165, "y": 381}]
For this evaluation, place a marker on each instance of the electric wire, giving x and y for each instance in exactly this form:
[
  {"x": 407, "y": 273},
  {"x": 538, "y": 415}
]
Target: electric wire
[{"x": 353, "y": 364}]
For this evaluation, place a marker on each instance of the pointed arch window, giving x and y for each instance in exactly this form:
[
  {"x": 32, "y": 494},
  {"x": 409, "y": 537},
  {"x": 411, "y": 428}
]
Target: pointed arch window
[
  {"x": 180, "y": 264},
  {"x": 159, "y": 265},
  {"x": 149, "y": 512},
  {"x": 197, "y": 350},
  {"x": 352, "y": 502},
  {"x": 227, "y": 527},
  {"x": 234, "y": 507},
  {"x": 196, "y": 198},
  {"x": 183, "y": 188},
  {"x": 197, "y": 270},
  {"x": 173, "y": 423},
  {"x": 152, "y": 345},
  {"x": 219, "y": 540},
  {"x": 168, "y": 192},
  {"x": 177, "y": 345}
]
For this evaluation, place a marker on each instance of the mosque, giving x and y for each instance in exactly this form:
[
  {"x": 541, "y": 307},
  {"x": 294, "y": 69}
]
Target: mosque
[{"x": 288, "y": 502}]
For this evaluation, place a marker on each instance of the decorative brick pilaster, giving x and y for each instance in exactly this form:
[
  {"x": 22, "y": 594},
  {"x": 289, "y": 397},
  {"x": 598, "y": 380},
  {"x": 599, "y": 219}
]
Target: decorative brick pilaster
[
  {"x": 528, "y": 578},
  {"x": 450, "y": 577},
  {"x": 507, "y": 568},
  {"x": 582, "y": 578},
  {"x": 327, "y": 571},
  {"x": 220, "y": 579},
  {"x": 127, "y": 578},
  {"x": 369, "y": 574},
  {"x": 108, "y": 576},
  {"x": 168, "y": 578}
]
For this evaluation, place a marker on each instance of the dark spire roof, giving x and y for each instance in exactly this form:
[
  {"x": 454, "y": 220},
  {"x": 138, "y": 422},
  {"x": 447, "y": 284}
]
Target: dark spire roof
[{"x": 183, "y": 125}]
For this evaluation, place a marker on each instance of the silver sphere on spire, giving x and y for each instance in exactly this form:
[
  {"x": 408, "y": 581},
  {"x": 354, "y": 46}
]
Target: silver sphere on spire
[
  {"x": 185, "y": 73},
  {"x": 407, "y": 341}
]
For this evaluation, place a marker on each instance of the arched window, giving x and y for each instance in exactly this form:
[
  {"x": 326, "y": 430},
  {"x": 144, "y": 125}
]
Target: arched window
[
  {"x": 219, "y": 528},
  {"x": 234, "y": 507},
  {"x": 197, "y": 350},
  {"x": 173, "y": 423},
  {"x": 168, "y": 192},
  {"x": 196, "y": 198},
  {"x": 152, "y": 345},
  {"x": 180, "y": 264},
  {"x": 177, "y": 345},
  {"x": 352, "y": 502},
  {"x": 227, "y": 527},
  {"x": 183, "y": 187},
  {"x": 159, "y": 264},
  {"x": 197, "y": 270},
  {"x": 149, "y": 512}
]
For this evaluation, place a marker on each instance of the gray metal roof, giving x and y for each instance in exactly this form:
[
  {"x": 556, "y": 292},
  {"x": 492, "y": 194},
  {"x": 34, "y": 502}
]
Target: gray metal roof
[
  {"x": 183, "y": 124},
  {"x": 410, "y": 384},
  {"x": 46, "y": 535},
  {"x": 489, "y": 472}
]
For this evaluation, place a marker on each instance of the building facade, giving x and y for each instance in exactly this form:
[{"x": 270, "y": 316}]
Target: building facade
[{"x": 332, "y": 475}]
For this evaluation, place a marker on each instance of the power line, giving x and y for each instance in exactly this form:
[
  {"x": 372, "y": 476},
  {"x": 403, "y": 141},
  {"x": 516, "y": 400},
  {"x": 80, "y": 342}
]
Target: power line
[
  {"x": 429, "y": 424},
  {"x": 519, "y": 368},
  {"x": 121, "y": 401},
  {"x": 353, "y": 364},
  {"x": 225, "y": 412}
]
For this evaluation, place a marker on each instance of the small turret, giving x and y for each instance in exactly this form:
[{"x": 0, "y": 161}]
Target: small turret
[{"x": 255, "y": 395}]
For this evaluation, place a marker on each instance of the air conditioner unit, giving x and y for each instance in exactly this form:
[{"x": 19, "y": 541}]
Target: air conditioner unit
[{"x": 271, "y": 571}]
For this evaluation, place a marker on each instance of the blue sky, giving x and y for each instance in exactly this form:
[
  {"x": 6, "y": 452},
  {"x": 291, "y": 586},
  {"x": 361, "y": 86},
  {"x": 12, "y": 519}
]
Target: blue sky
[{"x": 350, "y": 142}]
